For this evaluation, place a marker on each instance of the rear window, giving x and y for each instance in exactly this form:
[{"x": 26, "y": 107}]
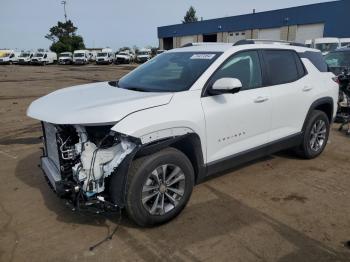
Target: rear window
[
  {"x": 284, "y": 66},
  {"x": 316, "y": 58}
]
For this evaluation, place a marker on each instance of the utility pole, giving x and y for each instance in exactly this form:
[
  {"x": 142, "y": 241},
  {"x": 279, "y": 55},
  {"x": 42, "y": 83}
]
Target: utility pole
[{"x": 64, "y": 8}]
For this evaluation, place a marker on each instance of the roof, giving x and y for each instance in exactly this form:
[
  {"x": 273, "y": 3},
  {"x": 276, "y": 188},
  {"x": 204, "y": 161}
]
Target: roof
[
  {"x": 333, "y": 14},
  {"x": 223, "y": 47},
  {"x": 342, "y": 49}
]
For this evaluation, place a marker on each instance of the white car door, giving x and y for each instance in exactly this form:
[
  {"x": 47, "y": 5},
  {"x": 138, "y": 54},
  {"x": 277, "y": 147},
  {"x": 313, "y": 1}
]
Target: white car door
[
  {"x": 291, "y": 92},
  {"x": 237, "y": 122}
]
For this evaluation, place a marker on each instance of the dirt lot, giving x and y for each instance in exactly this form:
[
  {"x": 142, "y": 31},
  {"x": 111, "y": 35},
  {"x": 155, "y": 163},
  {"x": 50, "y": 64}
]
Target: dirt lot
[{"x": 277, "y": 209}]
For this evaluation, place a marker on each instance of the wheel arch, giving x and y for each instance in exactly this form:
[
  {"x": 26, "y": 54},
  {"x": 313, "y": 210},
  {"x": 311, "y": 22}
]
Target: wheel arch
[
  {"x": 324, "y": 104},
  {"x": 189, "y": 144}
]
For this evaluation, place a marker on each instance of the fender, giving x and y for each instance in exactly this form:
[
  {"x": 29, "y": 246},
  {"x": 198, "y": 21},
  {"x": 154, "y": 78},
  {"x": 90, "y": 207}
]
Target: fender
[
  {"x": 189, "y": 144},
  {"x": 328, "y": 101}
]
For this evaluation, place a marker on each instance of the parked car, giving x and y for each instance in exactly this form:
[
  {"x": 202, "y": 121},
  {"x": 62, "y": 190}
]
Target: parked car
[
  {"x": 327, "y": 44},
  {"x": 160, "y": 51},
  {"x": 123, "y": 57},
  {"x": 338, "y": 60},
  {"x": 105, "y": 56},
  {"x": 65, "y": 58},
  {"x": 142, "y": 142},
  {"x": 25, "y": 57},
  {"x": 81, "y": 57},
  {"x": 345, "y": 42},
  {"x": 43, "y": 58},
  {"x": 92, "y": 56},
  {"x": 143, "y": 55},
  {"x": 309, "y": 43},
  {"x": 9, "y": 57}
]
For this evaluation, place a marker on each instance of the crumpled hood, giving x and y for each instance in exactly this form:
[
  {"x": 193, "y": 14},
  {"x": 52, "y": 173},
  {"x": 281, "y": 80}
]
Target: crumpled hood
[{"x": 95, "y": 103}]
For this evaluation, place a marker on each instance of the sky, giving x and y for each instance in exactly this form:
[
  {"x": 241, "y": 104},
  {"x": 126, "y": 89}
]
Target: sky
[{"x": 114, "y": 23}]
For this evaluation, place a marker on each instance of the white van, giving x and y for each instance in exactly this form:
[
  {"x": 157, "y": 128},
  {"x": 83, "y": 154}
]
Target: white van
[
  {"x": 44, "y": 58},
  {"x": 345, "y": 42},
  {"x": 25, "y": 57},
  {"x": 143, "y": 55},
  {"x": 81, "y": 57},
  {"x": 327, "y": 44},
  {"x": 123, "y": 57},
  {"x": 65, "y": 58},
  {"x": 105, "y": 56},
  {"x": 9, "y": 57}
]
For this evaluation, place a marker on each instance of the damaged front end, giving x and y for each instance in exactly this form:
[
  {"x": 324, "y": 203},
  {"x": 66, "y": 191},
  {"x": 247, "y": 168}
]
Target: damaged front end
[{"x": 78, "y": 162}]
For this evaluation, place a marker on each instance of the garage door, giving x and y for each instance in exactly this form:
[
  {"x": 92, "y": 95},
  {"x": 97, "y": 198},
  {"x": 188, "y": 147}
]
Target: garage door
[
  {"x": 271, "y": 34},
  {"x": 307, "y": 32},
  {"x": 186, "y": 40}
]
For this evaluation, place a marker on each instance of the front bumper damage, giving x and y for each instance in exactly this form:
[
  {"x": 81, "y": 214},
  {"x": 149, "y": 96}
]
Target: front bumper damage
[{"x": 79, "y": 166}]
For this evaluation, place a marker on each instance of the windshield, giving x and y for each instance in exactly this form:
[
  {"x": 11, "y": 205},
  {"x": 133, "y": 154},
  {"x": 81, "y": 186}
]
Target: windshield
[
  {"x": 79, "y": 54},
  {"x": 24, "y": 55},
  {"x": 65, "y": 55},
  {"x": 345, "y": 44},
  {"x": 143, "y": 53},
  {"x": 123, "y": 53},
  {"x": 327, "y": 47},
  {"x": 169, "y": 72},
  {"x": 39, "y": 55},
  {"x": 101, "y": 54},
  {"x": 338, "y": 59}
]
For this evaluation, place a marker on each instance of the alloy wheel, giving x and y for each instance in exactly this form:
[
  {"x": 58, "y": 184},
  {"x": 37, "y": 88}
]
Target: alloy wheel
[
  {"x": 318, "y": 135},
  {"x": 163, "y": 189}
]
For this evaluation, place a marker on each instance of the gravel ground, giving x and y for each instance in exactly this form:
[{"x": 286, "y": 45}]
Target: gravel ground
[{"x": 279, "y": 208}]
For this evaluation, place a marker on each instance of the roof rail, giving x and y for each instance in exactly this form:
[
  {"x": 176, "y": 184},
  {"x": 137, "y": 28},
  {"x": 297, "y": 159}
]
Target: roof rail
[
  {"x": 203, "y": 43},
  {"x": 266, "y": 41}
]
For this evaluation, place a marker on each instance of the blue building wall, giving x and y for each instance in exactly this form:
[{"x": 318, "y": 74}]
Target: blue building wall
[{"x": 335, "y": 15}]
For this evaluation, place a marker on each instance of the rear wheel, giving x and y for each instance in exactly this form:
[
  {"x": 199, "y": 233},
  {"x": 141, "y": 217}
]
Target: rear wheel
[
  {"x": 159, "y": 187},
  {"x": 315, "y": 135}
]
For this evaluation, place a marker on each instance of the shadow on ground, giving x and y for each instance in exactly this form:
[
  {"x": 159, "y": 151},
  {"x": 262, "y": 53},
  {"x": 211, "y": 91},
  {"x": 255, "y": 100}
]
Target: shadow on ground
[{"x": 222, "y": 217}]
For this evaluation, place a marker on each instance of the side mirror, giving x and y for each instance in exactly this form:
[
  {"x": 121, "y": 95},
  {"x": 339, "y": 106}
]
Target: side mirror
[{"x": 225, "y": 86}]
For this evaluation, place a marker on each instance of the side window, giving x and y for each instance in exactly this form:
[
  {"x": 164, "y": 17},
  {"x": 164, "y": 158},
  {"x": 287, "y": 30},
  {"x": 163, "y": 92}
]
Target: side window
[
  {"x": 281, "y": 66},
  {"x": 244, "y": 66},
  {"x": 45, "y": 56},
  {"x": 317, "y": 59}
]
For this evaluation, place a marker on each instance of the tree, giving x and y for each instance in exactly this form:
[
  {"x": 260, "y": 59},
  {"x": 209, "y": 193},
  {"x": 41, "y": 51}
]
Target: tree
[
  {"x": 64, "y": 38},
  {"x": 190, "y": 16}
]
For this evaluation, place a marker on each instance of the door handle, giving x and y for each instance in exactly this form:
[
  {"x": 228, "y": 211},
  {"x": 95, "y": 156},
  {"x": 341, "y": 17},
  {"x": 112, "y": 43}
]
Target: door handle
[
  {"x": 307, "y": 88},
  {"x": 261, "y": 99}
]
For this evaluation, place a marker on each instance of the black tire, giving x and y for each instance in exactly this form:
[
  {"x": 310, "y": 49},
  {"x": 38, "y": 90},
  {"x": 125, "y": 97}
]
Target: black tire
[
  {"x": 305, "y": 150},
  {"x": 137, "y": 177}
]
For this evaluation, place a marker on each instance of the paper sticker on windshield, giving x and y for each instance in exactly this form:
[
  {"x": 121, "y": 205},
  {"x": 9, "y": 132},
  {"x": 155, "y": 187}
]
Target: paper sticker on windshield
[{"x": 203, "y": 56}]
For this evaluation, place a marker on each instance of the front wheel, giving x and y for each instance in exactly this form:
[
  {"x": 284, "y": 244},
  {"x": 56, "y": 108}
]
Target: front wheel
[
  {"x": 316, "y": 135},
  {"x": 159, "y": 187}
]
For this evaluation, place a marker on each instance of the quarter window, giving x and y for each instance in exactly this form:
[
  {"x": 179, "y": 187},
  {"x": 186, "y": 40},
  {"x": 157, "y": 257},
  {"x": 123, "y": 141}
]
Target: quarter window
[
  {"x": 244, "y": 66},
  {"x": 282, "y": 66}
]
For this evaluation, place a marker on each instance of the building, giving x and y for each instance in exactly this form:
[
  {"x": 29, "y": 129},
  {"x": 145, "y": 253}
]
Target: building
[{"x": 329, "y": 19}]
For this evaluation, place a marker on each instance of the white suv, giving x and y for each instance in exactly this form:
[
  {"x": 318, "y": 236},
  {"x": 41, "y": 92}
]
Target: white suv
[{"x": 143, "y": 142}]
